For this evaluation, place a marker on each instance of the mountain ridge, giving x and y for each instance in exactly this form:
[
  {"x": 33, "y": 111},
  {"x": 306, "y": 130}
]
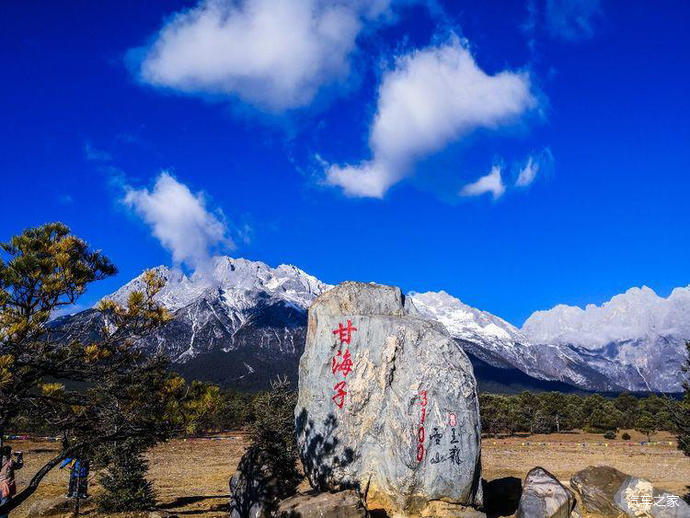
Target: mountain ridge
[{"x": 251, "y": 317}]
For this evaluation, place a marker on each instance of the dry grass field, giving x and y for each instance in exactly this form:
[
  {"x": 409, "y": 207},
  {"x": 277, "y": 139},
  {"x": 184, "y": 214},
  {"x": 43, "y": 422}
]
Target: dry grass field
[{"x": 191, "y": 477}]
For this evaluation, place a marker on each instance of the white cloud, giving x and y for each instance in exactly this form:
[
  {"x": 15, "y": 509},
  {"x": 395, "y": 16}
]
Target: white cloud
[
  {"x": 535, "y": 163},
  {"x": 180, "y": 220},
  {"x": 491, "y": 182},
  {"x": 432, "y": 97},
  {"x": 528, "y": 173},
  {"x": 571, "y": 19},
  {"x": 271, "y": 53}
]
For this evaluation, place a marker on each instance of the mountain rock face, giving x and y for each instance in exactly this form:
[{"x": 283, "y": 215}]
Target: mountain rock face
[
  {"x": 240, "y": 323},
  {"x": 387, "y": 402}
]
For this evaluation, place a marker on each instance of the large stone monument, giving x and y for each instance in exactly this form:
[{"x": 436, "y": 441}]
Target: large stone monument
[{"x": 387, "y": 403}]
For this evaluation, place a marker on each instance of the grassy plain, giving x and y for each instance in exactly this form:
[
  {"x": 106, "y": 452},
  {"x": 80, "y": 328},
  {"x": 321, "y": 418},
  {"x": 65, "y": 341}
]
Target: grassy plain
[{"x": 191, "y": 476}]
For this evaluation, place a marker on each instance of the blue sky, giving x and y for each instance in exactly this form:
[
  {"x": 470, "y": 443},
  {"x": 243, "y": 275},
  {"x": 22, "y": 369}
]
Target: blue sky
[{"x": 385, "y": 141}]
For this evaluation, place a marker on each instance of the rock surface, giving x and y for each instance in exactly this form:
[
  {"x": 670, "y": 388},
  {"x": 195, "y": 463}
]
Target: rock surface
[
  {"x": 597, "y": 486},
  {"x": 543, "y": 496},
  {"x": 344, "y": 504},
  {"x": 387, "y": 402},
  {"x": 609, "y": 492},
  {"x": 51, "y": 506}
]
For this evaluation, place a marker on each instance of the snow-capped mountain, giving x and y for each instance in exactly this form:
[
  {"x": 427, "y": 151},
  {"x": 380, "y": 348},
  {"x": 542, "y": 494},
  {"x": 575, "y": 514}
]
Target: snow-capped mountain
[
  {"x": 238, "y": 322},
  {"x": 642, "y": 334},
  {"x": 500, "y": 344},
  {"x": 241, "y": 322}
]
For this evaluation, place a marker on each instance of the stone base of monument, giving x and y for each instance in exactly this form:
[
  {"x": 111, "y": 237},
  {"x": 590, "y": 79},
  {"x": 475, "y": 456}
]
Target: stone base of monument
[
  {"x": 343, "y": 504},
  {"x": 438, "y": 509}
]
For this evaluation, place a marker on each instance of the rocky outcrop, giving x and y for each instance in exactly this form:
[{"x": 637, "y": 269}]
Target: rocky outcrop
[
  {"x": 543, "y": 496},
  {"x": 608, "y": 492},
  {"x": 387, "y": 402},
  {"x": 344, "y": 504}
]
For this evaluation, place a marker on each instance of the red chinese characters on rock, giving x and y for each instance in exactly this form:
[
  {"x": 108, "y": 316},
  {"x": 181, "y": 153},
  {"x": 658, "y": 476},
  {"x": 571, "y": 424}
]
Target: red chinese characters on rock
[
  {"x": 345, "y": 332},
  {"x": 339, "y": 397},
  {"x": 421, "y": 433},
  {"x": 342, "y": 362}
]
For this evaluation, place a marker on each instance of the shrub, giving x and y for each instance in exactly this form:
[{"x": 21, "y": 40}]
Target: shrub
[
  {"x": 609, "y": 435},
  {"x": 625, "y": 436}
]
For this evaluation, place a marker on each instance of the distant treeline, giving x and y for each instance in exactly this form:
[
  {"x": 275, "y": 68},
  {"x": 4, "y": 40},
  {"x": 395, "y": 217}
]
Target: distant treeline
[
  {"x": 549, "y": 412},
  {"x": 211, "y": 409}
]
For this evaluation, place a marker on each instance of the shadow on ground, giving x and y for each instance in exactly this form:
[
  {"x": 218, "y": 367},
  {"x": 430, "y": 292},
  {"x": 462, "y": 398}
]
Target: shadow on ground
[
  {"x": 180, "y": 503},
  {"x": 501, "y": 496}
]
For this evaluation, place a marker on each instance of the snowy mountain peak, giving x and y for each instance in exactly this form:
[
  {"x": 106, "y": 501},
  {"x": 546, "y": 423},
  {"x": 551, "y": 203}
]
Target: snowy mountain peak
[
  {"x": 234, "y": 278},
  {"x": 252, "y": 311},
  {"x": 636, "y": 314},
  {"x": 463, "y": 321}
]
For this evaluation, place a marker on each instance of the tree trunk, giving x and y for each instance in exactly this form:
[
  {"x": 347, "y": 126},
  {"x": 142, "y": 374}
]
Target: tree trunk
[{"x": 78, "y": 489}]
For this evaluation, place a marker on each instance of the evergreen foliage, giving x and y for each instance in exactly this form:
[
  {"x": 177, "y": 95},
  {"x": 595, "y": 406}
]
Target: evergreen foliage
[
  {"x": 124, "y": 483},
  {"x": 551, "y": 412}
]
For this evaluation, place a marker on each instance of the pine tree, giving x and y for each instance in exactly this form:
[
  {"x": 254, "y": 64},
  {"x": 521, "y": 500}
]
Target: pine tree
[
  {"x": 681, "y": 417},
  {"x": 114, "y": 393},
  {"x": 646, "y": 424},
  {"x": 124, "y": 483}
]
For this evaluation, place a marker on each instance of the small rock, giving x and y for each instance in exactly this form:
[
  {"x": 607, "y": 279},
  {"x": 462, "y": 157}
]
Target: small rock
[
  {"x": 344, "y": 504},
  {"x": 543, "y": 496},
  {"x": 597, "y": 486},
  {"x": 638, "y": 497},
  {"x": 439, "y": 509},
  {"x": 608, "y": 492}
]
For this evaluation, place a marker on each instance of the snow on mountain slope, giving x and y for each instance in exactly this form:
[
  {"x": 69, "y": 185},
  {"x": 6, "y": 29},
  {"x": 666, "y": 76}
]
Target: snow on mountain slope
[
  {"x": 241, "y": 321},
  {"x": 501, "y": 344},
  {"x": 635, "y": 314},
  {"x": 638, "y": 332},
  {"x": 237, "y": 278},
  {"x": 488, "y": 337},
  {"x": 238, "y": 322}
]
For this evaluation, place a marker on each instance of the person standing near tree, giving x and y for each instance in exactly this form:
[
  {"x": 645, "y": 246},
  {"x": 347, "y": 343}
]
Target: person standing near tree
[
  {"x": 79, "y": 477},
  {"x": 8, "y": 465}
]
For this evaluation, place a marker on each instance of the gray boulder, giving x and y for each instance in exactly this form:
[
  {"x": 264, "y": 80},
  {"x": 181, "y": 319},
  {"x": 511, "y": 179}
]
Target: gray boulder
[
  {"x": 609, "y": 492},
  {"x": 543, "y": 496},
  {"x": 387, "y": 403},
  {"x": 597, "y": 486},
  {"x": 344, "y": 504}
]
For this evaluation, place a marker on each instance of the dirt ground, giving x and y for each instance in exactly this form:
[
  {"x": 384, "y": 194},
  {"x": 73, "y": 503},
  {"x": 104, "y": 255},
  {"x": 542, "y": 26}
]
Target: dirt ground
[{"x": 191, "y": 476}]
